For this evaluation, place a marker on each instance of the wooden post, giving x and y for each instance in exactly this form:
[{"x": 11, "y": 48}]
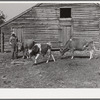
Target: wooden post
[
  {"x": 2, "y": 42},
  {"x": 72, "y": 35},
  {"x": 99, "y": 30}
]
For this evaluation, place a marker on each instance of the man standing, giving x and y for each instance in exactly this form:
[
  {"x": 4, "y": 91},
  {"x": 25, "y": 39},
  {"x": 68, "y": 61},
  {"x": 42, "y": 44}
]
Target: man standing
[{"x": 14, "y": 45}]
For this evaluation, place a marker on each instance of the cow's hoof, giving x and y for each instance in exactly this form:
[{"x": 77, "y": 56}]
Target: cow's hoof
[
  {"x": 90, "y": 58},
  {"x": 46, "y": 62},
  {"x": 35, "y": 64},
  {"x": 54, "y": 60},
  {"x": 72, "y": 57},
  {"x": 23, "y": 57},
  {"x": 27, "y": 57}
]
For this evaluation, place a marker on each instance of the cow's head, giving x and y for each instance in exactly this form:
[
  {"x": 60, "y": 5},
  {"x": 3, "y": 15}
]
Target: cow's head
[
  {"x": 61, "y": 51},
  {"x": 88, "y": 44},
  {"x": 20, "y": 46}
]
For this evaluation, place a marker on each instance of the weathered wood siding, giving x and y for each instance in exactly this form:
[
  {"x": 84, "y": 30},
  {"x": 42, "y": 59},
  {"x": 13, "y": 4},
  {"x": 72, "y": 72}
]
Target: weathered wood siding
[
  {"x": 42, "y": 23},
  {"x": 86, "y": 21}
]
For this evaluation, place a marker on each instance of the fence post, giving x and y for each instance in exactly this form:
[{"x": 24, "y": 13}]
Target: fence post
[{"x": 2, "y": 42}]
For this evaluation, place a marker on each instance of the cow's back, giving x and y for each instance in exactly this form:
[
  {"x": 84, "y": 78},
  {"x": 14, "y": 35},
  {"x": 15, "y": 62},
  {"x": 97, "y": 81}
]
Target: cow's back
[
  {"x": 45, "y": 48},
  {"x": 35, "y": 50},
  {"x": 29, "y": 43},
  {"x": 77, "y": 44}
]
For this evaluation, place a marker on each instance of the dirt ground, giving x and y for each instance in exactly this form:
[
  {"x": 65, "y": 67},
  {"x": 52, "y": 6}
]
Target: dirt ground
[{"x": 64, "y": 73}]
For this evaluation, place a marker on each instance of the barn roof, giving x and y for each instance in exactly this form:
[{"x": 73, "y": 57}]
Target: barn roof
[{"x": 14, "y": 18}]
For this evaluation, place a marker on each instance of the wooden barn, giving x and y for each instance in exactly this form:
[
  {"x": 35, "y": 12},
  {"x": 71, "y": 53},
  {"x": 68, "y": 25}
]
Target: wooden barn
[{"x": 54, "y": 22}]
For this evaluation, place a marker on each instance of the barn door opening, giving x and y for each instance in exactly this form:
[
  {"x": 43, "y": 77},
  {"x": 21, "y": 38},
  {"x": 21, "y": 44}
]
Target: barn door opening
[
  {"x": 66, "y": 34},
  {"x": 19, "y": 34}
]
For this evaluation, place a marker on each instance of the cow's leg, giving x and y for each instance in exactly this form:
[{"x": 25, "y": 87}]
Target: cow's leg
[
  {"x": 48, "y": 59},
  {"x": 27, "y": 54},
  {"x": 24, "y": 53},
  {"x": 72, "y": 53},
  {"x": 36, "y": 58},
  {"x": 91, "y": 54},
  {"x": 49, "y": 55},
  {"x": 72, "y": 57},
  {"x": 53, "y": 57}
]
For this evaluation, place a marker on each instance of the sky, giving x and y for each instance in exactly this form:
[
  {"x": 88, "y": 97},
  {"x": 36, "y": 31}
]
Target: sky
[{"x": 13, "y": 9}]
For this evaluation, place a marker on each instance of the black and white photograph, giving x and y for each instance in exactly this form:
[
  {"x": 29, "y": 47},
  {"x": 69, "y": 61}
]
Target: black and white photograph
[{"x": 49, "y": 45}]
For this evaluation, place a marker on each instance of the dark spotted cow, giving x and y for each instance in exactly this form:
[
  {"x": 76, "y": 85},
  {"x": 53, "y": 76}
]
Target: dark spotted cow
[
  {"x": 76, "y": 44},
  {"x": 43, "y": 49}
]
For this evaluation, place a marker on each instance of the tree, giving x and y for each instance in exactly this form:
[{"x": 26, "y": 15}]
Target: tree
[{"x": 2, "y": 17}]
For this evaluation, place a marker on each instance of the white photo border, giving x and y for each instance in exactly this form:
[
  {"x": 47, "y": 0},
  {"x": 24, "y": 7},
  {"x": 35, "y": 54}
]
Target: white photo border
[{"x": 49, "y": 93}]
